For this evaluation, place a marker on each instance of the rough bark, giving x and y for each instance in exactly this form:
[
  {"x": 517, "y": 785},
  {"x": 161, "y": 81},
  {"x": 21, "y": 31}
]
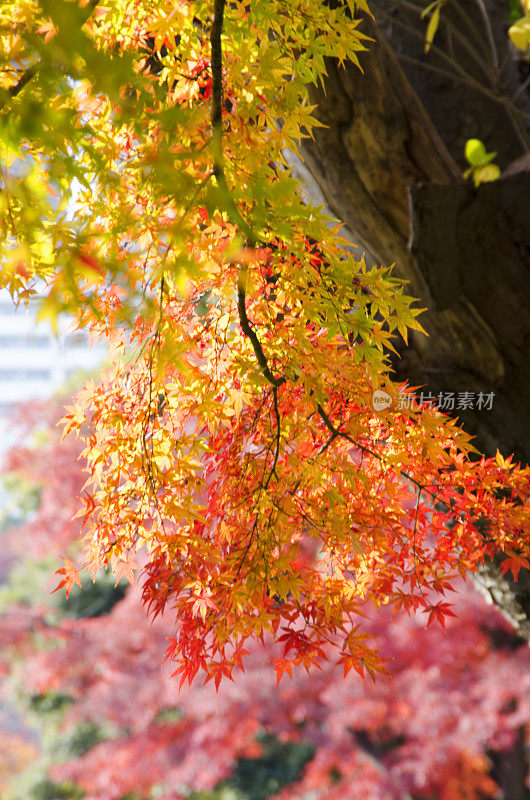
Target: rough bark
[{"x": 384, "y": 171}]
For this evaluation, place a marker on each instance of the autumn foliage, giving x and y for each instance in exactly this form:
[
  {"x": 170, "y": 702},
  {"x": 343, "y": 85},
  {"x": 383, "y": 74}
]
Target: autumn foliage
[
  {"x": 441, "y": 726},
  {"x": 233, "y": 453}
]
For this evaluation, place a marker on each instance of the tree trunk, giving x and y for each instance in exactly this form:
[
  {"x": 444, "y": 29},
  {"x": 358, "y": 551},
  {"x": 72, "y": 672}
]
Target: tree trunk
[{"x": 384, "y": 171}]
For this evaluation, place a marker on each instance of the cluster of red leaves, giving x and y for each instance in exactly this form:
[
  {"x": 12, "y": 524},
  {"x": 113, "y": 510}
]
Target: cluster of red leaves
[
  {"x": 452, "y": 700},
  {"x": 426, "y": 730}
]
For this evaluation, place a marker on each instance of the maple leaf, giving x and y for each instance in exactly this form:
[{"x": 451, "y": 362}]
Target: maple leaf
[
  {"x": 438, "y": 613},
  {"x": 282, "y": 666},
  {"x": 514, "y": 562},
  {"x": 125, "y": 568},
  {"x": 71, "y": 576}
]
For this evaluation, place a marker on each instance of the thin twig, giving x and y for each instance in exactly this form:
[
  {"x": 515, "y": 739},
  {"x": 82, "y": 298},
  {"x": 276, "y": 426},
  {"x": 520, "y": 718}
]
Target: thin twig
[
  {"x": 278, "y": 434},
  {"x": 471, "y": 26},
  {"x": 521, "y": 89},
  {"x": 515, "y": 114},
  {"x": 459, "y": 36},
  {"x": 489, "y": 32}
]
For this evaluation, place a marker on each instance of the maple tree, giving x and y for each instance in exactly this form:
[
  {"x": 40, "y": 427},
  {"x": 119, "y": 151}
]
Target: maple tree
[
  {"x": 233, "y": 452},
  {"x": 115, "y": 725}
]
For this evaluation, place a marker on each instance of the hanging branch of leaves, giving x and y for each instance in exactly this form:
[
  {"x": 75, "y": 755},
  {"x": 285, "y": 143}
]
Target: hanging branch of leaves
[{"x": 263, "y": 494}]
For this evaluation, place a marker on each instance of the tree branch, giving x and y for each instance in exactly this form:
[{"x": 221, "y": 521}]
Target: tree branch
[
  {"x": 216, "y": 107},
  {"x": 248, "y": 331},
  {"x": 216, "y": 117}
]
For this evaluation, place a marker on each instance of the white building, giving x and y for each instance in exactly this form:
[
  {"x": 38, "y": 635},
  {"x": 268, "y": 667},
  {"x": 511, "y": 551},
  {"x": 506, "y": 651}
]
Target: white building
[{"x": 34, "y": 361}]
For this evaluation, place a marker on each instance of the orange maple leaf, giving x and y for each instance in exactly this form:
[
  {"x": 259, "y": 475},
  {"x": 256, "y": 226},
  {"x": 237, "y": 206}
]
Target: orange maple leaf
[{"x": 71, "y": 576}]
